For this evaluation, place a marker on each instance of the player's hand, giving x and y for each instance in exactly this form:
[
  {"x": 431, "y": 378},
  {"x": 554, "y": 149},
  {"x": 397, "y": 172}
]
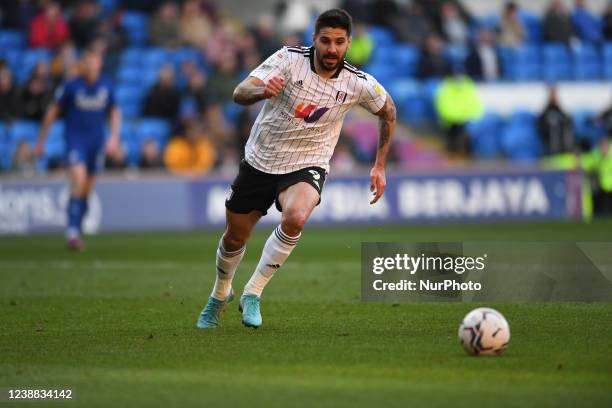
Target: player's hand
[
  {"x": 39, "y": 149},
  {"x": 112, "y": 147},
  {"x": 274, "y": 87},
  {"x": 378, "y": 182}
]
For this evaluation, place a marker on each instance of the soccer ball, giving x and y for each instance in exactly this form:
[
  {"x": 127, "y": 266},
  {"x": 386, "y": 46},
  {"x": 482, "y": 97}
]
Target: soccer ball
[{"x": 484, "y": 331}]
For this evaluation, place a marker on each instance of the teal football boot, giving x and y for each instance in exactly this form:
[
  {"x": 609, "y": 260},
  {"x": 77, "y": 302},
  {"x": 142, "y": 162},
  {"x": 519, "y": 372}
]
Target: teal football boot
[
  {"x": 251, "y": 315},
  {"x": 209, "y": 318}
]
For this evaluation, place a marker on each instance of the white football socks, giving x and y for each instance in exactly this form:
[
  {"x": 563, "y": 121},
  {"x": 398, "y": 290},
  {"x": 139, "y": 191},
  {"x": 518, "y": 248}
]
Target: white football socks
[
  {"x": 227, "y": 263},
  {"x": 276, "y": 251}
]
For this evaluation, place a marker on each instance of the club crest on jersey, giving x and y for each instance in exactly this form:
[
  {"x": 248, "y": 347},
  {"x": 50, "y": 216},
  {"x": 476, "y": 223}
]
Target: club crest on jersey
[
  {"x": 309, "y": 113},
  {"x": 340, "y": 97},
  {"x": 299, "y": 83}
]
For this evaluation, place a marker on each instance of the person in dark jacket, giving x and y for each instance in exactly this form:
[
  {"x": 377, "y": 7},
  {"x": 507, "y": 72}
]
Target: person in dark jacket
[
  {"x": 482, "y": 62},
  {"x": 555, "y": 127},
  {"x": 164, "y": 98},
  {"x": 433, "y": 62},
  {"x": 557, "y": 25}
]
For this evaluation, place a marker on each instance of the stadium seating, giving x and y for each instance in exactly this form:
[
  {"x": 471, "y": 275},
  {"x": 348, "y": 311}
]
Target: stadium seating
[
  {"x": 586, "y": 62},
  {"x": 557, "y": 62},
  {"x": 12, "y": 39},
  {"x": 136, "y": 25},
  {"x": 485, "y": 136}
]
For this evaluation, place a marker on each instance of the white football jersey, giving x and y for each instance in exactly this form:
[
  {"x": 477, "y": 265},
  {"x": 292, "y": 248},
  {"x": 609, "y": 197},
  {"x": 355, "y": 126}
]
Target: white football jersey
[{"x": 300, "y": 127}]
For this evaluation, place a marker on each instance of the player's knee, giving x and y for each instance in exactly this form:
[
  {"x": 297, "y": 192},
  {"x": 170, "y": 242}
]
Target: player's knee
[
  {"x": 294, "y": 221},
  {"x": 233, "y": 241}
]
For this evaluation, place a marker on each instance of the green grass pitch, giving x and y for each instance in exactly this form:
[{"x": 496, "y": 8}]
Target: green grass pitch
[{"x": 117, "y": 324}]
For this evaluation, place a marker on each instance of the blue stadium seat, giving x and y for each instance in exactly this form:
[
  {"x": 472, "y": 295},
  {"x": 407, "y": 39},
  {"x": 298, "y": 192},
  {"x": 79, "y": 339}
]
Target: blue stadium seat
[
  {"x": 586, "y": 62},
  {"x": 132, "y": 56},
  {"x": 136, "y": 26},
  {"x": 385, "y": 73},
  {"x": 521, "y": 142},
  {"x": 131, "y": 142},
  {"x": 155, "y": 57},
  {"x": 129, "y": 75},
  {"x": 406, "y": 57},
  {"x": 381, "y": 35},
  {"x": 523, "y": 118},
  {"x": 485, "y": 135},
  {"x": 410, "y": 100},
  {"x": 490, "y": 22},
  {"x": 12, "y": 39},
  {"x": 24, "y": 130},
  {"x": 533, "y": 25},
  {"x": 585, "y": 130},
  {"x": 179, "y": 56},
  {"x": 28, "y": 60},
  {"x": 521, "y": 63},
  {"x": 129, "y": 97},
  {"x": 457, "y": 55},
  {"x": 157, "y": 128},
  {"x": 4, "y": 134},
  {"x": 557, "y": 62},
  {"x": 607, "y": 60},
  {"x": 108, "y": 6}
]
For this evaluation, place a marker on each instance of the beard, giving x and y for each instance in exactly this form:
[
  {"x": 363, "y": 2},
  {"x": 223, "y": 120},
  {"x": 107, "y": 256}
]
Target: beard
[{"x": 329, "y": 65}]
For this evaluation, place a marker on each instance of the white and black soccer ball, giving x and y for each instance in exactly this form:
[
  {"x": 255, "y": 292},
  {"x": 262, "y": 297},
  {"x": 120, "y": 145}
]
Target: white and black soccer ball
[{"x": 484, "y": 331}]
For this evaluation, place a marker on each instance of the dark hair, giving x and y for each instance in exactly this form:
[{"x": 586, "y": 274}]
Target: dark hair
[{"x": 334, "y": 18}]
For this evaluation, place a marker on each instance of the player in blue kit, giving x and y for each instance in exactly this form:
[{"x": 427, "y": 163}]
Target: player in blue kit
[{"x": 85, "y": 103}]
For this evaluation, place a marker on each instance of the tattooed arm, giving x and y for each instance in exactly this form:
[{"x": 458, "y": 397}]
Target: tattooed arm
[
  {"x": 253, "y": 90},
  {"x": 386, "y": 125}
]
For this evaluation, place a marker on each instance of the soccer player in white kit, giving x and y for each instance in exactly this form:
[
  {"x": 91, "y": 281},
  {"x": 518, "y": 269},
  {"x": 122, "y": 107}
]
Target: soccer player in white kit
[{"x": 309, "y": 90}]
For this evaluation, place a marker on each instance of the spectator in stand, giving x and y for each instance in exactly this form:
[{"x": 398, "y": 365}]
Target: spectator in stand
[
  {"x": 164, "y": 30},
  {"x": 36, "y": 94},
  {"x": 195, "y": 99},
  {"x": 85, "y": 23},
  {"x": 224, "y": 78},
  {"x": 150, "y": 155},
  {"x": 23, "y": 160},
  {"x": 362, "y": 46},
  {"x": 433, "y": 11},
  {"x": 433, "y": 62},
  {"x": 9, "y": 97},
  {"x": 604, "y": 120},
  {"x": 266, "y": 41},
  {"x": 454, "y": 28},
  {"x": 64, "y": 63},
  {"x": 607, "y": 22},
  {"x": 512, "y": 31},
  {"x": 457, "y": 103},
  {"x": 223, "y": 41},
  {"x": 164, "y": 98},
  {"x": 557, "y": 25},
  {"x": 410, "y": 25},
  {"x": 49, "y": 29},
  {"x": 221, "y": 134},
  {"x": 482, "y": 62},
  {"x": 195, "y": 27},
  {"x": 587, "y": 25},
  {"x": 555, "y": 127},
  {"x": 190, "y": 155}
]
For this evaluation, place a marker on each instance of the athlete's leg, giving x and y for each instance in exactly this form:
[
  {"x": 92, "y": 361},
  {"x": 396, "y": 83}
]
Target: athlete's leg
[
  {"x": 77, "y": 174},
  {"x": 229, "y": 254},
  {"x": 297, "y": 202},
  {"x": 231, "y": 249}
]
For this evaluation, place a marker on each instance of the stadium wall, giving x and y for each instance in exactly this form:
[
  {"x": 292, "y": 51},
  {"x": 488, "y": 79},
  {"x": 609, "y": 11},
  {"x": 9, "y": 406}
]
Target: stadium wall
[{"x": 38, "y": 206}]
